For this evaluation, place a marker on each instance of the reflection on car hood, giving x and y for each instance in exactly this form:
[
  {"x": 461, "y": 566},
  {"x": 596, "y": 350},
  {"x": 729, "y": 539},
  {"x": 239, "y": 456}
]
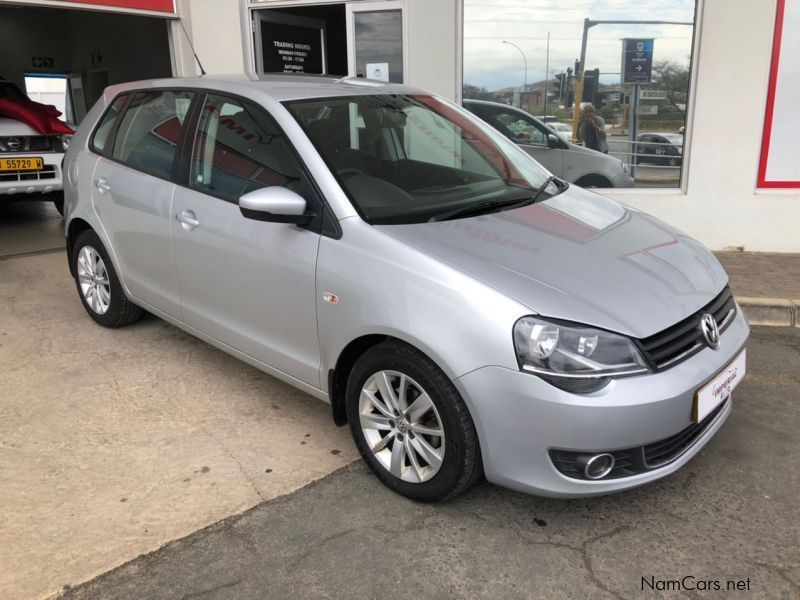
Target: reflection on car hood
[{"x": 580, "y": 257}]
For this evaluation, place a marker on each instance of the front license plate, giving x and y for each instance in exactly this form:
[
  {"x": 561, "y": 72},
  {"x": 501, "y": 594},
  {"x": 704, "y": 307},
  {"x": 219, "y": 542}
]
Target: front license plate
[
  {"x": 32, "y": 163},
  {"x": 708, "y": 397}
]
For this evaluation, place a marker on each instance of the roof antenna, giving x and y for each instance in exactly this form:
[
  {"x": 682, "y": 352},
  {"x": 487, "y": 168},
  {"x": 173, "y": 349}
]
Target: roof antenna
[{"x": 188, "y": 39}]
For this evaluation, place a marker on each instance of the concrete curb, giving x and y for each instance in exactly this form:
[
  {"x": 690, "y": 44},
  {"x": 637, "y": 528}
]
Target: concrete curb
[{"x": 773, "y": 312}]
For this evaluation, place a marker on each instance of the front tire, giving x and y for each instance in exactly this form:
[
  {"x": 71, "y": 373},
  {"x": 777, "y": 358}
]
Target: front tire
[
  {"x": 98, "y": 285},
  {"x": 411, "y": 425}
]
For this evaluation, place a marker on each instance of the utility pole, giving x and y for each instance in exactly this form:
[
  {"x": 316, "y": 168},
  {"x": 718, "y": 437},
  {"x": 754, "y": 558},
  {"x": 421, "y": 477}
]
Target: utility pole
[
  {"x": 546, "y": 74},
  {"x": 525, "y": 60},
  {"x": 581, "y": 66}
]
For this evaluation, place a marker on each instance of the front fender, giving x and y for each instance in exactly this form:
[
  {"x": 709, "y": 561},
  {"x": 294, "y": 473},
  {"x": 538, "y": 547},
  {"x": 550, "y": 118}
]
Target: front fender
[{"x": 386, "y": 287}]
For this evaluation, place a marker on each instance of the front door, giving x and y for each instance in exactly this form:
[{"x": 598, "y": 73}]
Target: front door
[
  {"x": 525, "y": 131},
  {"x": 249, "y": 284}
]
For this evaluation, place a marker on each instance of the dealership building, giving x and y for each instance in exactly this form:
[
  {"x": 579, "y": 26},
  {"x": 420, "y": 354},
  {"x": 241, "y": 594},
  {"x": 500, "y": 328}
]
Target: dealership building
[{"x": 739, "y": 185}]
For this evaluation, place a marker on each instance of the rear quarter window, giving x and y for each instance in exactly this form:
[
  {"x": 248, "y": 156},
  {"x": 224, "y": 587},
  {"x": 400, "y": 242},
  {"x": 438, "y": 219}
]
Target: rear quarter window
[{"x": 102, "y": 134}]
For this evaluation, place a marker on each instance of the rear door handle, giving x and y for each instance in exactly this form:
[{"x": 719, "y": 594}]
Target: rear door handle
[
  {"x": 188, "y": 220},
  {"x": 102, "y": 185}
]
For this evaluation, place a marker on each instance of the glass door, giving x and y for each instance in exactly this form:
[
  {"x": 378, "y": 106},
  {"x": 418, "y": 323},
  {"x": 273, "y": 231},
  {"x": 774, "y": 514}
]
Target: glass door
[{"x": 375, "y": 40}]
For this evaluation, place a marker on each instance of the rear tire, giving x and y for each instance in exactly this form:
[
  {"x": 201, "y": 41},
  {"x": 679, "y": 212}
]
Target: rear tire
[
  {"x": 429, "y": 453},
  {"x": 98, "y": 285},
  {"x": 58, "y": 202}
]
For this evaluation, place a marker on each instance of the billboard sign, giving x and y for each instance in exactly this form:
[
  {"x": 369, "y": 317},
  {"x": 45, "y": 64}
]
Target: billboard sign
[
  {"x": 779, "y": 167},
  {"x": 637, "y": 60},
  {"x": 164, "y": 6}
]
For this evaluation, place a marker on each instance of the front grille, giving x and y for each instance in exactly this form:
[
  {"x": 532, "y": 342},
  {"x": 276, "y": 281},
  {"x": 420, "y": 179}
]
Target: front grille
[
  {"x": 677, "y": 343},
  {"x": 26, "y": 143},
  {"x": 47, "y": 172},
  {"x": 639, "y": 459},
  {"x": 665, "y": 451}
]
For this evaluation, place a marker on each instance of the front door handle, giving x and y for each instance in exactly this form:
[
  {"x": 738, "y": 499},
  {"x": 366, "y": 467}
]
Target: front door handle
[
  {"x": 102, "y": 185},
  {"x": 188, "y": 220}
]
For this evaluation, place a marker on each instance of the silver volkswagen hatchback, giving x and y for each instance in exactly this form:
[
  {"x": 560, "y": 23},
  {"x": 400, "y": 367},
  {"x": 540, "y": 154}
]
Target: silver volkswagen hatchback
[{"x": 380, "y": 248}]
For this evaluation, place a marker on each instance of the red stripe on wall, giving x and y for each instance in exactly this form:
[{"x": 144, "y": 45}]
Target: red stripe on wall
[
  {"x": 166, "y": 6},
  {"x": 773, "y": 80}
]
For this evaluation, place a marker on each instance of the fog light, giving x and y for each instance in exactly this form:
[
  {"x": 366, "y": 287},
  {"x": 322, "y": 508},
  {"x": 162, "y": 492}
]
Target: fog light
[{"x": 598, "y": 466}]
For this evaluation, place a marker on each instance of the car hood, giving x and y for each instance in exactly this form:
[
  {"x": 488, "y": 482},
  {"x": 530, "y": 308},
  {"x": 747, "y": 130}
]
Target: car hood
[
  {"x": 580, "y": 257},
  {"x": 12, "y": 127}
]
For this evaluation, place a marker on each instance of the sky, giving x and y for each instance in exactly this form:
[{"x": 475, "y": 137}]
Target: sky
[{"x": 490, "y": 63}]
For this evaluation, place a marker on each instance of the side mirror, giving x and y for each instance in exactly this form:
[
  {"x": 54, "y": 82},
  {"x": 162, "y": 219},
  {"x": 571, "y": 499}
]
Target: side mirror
[
  {"x": 275, "y": 204},
  {"x": 553, "y": 141}
]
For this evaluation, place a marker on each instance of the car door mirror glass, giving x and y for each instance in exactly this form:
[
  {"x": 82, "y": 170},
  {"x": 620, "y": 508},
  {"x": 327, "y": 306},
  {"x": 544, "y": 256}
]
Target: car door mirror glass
[
  {"x": 275, "y": 204},
  {"x": 553, "y": 141}
]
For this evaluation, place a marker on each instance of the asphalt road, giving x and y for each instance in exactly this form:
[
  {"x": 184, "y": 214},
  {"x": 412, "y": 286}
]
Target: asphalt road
[{"x": 730, "y": 515}]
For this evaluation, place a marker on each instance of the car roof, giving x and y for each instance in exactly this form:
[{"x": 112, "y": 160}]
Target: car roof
[{"x": 278, "y": 86}]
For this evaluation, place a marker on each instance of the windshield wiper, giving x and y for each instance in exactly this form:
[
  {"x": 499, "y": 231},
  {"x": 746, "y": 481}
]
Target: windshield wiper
[{"x": 492, "y": 205}]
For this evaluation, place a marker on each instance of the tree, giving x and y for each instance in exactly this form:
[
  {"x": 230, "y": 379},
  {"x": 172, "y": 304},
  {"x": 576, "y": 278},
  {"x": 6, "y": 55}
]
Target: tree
[
  {"x": 474, "y": 92},
  {"x": 674, "y": 79}
]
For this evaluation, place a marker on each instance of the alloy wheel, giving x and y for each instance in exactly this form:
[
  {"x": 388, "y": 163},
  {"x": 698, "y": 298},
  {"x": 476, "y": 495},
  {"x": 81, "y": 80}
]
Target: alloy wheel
[
  {"x": 93, "y": 280},
  {"x": 402, "y": 427}
]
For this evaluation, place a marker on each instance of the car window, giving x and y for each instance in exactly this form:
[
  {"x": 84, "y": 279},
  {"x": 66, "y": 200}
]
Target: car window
[
  {"x": 103, "y": 131},
  {"x": 411, "y": 158},
  {"x": 148, "y": 135},
  {"x": 238, "y": 149},
  {"x": 517, "y": 126}
]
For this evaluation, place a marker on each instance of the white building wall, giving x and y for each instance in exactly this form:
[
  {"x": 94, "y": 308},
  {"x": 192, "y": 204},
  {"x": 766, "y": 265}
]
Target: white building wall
[
  {"x": 721, "y": 206},
  {"x": 434, "y": 46},
  {"x": 218, "y": 29}
]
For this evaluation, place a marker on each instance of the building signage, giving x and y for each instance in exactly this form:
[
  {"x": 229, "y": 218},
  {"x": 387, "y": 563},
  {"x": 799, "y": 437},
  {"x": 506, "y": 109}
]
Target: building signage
[
  {"x": 652, "y": 94},
  {"x": 648, "y": 109},
  {"x": 779, "y": 167},
  {"x": 637, "y": 60},
  {"x": 165, "y": 6},
  {"x": 291, "y": 45}
]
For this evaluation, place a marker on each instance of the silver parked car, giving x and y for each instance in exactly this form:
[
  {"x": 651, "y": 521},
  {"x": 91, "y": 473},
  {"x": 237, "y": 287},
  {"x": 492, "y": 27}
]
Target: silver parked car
[
  {"x": 383, "y": 250},
  {"x": 576, "y": 164}
]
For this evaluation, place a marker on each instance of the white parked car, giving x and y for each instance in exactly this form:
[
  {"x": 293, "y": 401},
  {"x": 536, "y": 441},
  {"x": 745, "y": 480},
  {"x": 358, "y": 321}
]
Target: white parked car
[
  {"x": 563, "y": 129},
  {"x": 576, "y": 164},
  {"x": 30, "y": 163}
]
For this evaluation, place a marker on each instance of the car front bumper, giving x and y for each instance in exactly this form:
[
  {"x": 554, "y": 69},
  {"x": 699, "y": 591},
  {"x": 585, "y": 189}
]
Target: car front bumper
[
  {"x": 519, "y": 418},
  {"x": 49, "y": 179},
  {"x": 622, "y": 180}
]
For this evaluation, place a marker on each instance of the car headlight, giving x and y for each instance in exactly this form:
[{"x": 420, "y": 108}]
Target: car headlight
[
  {"x": 574, "y": 357},
  {"x": 625, "y": 168},
  {"x": 65, "y": 141}
]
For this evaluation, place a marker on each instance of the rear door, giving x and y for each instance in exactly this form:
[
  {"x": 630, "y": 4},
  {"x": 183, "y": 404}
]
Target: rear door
[
  {"x": 249, "y": 284},
  {"x": 132, "y": 192}
]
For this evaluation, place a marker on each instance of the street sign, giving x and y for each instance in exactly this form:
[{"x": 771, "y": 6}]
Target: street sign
[
  {"x": 653, "y": 94},
  {"x": 637, "y": 60},
  {"x": 648, "y": 109}
]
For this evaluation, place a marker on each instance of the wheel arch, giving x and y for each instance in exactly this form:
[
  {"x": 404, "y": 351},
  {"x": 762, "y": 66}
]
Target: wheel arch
[
  {"x": 76, "y": 227},
  {"x": 346, "y": 359},
  {"x": 594, "y": 180}
]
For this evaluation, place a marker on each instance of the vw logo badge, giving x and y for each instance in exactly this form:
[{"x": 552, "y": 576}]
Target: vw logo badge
[{"x": 710, "y": 330}]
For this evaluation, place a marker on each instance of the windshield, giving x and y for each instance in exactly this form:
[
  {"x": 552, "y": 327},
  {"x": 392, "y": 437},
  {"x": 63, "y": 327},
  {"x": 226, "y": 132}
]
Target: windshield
[{"x": 413, "y": 158}]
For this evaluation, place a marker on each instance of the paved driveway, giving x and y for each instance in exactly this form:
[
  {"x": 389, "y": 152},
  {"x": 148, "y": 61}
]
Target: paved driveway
[
  {"x": 114, "y": 442},
  {"x": 729, "y": 515}
]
